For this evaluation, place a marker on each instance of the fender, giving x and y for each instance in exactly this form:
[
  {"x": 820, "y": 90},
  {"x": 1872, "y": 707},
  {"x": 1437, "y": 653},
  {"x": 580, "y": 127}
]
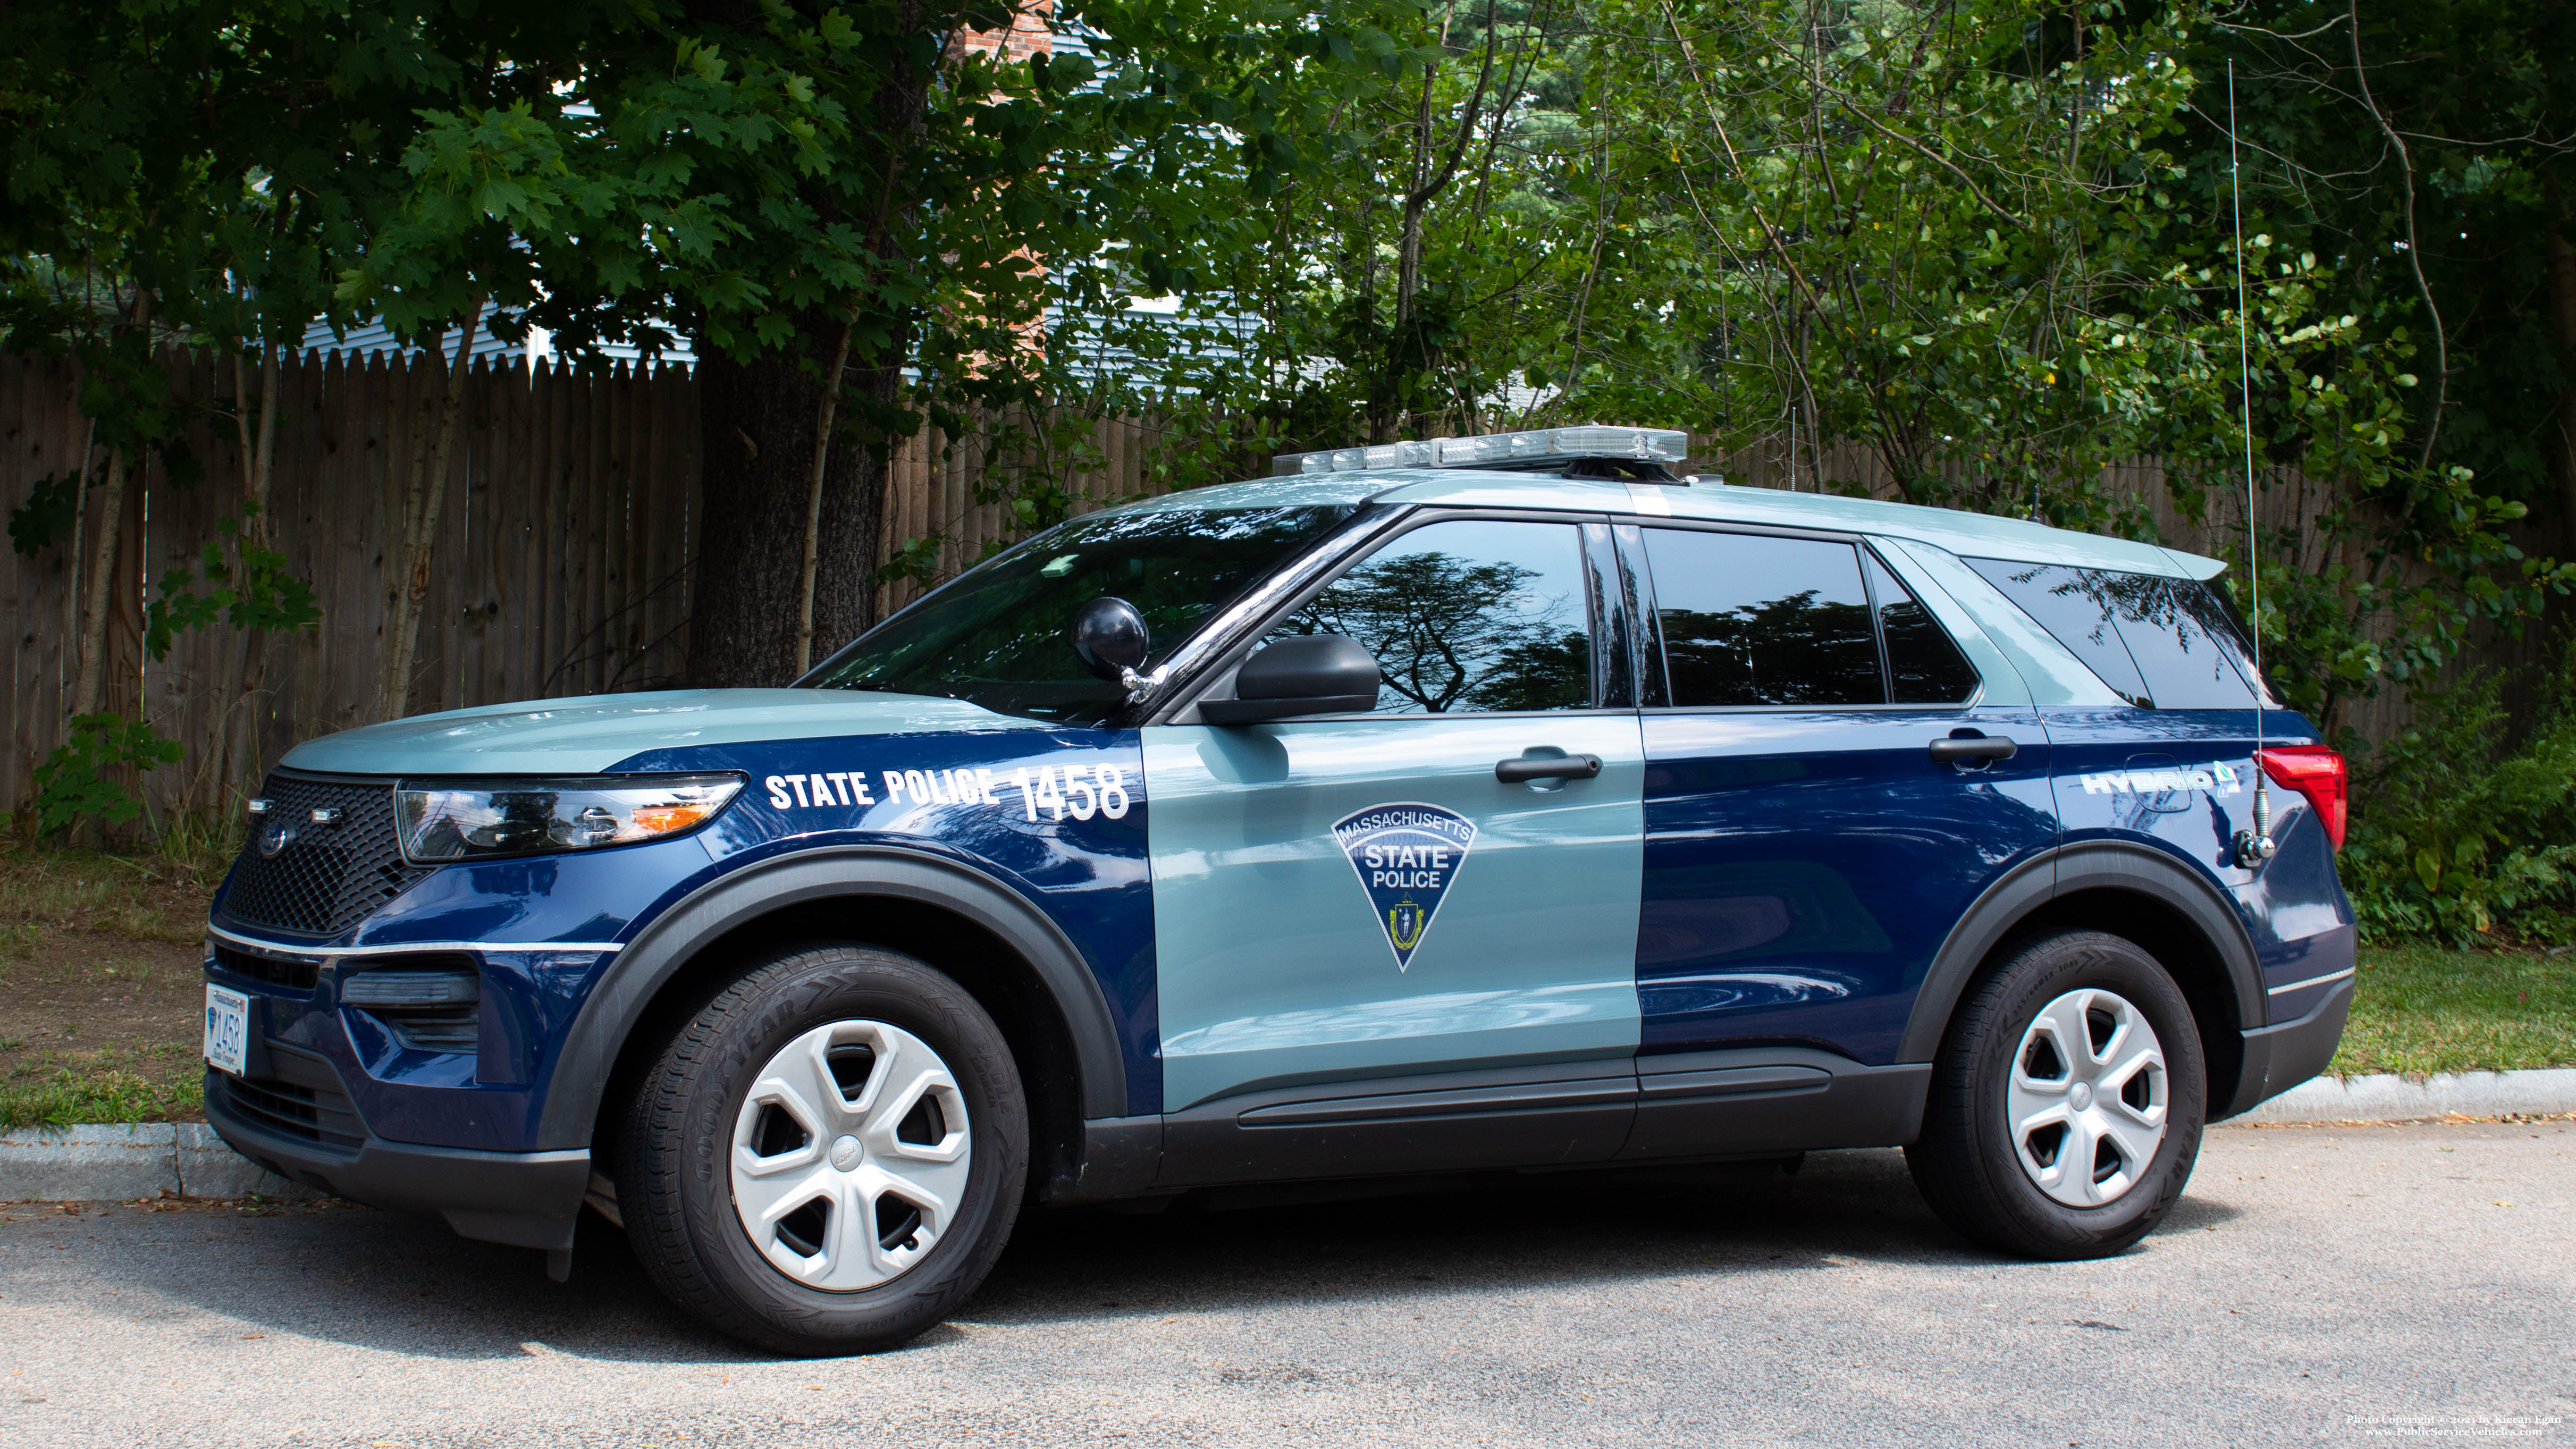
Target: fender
[
  {"x": 2088, "y": 865},
  {"x": 648, "y": 963}
]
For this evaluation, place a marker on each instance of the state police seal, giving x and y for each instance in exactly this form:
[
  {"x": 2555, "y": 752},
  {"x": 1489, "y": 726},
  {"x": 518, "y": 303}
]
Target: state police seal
[{"x": 1407, "y": 857}]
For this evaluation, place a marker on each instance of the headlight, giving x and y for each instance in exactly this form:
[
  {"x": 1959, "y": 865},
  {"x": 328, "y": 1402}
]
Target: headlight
[{"x": 484, "y": 819}]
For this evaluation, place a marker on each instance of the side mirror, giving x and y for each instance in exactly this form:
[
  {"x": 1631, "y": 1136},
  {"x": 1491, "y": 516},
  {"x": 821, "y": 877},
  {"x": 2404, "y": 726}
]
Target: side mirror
[
  {"x": 1111, "y": 637},
  {"x": 1301, "y": 674}
]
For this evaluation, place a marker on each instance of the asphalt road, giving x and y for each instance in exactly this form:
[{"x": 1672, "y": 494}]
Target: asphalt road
[{"x": 2316, "y": 1285}]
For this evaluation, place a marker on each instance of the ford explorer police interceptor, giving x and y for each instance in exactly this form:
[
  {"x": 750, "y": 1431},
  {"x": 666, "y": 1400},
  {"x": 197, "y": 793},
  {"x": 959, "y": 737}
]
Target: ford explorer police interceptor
[{"x": 1464, "y": 806}]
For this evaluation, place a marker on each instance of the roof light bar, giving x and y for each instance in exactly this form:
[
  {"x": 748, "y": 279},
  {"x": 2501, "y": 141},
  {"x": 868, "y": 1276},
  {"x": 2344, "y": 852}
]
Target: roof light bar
[{"x": 1646, "y": 445}]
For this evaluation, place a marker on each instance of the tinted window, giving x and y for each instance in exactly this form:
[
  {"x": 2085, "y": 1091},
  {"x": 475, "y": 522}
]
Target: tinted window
[
  {"x": 2165, "y": 643},
  {"x": 2217, "y": 621},
  {"x": 1468, "y": 616},
  {"x": 1923, "y": 665},
  {"x": 2079, "y": 608},
  {"x": 1755, "y": 620},
  {"x": 1001, "y": 633},
  {"x": 2184, "y": 663}
]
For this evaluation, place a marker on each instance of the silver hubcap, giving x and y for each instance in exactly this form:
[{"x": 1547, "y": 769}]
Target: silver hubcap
[
  {"x": 2086, "y": 1102},
  {"x": 850, "y": 1155}
]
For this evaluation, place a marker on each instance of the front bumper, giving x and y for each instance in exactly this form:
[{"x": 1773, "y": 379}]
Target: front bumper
[
  {"x": 526, "y": 1199},
  {"x": 2280, "y": 1056}
]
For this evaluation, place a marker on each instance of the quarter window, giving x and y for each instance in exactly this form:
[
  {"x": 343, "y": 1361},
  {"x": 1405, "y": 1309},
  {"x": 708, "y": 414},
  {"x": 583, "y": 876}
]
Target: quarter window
[
  {"x": 2160, "y": 643},
  {"x": 1469, "y": 616}
]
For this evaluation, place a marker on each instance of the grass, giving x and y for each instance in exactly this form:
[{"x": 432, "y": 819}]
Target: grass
[
  {"x": 101, "y": 1087},
  {"x": 2417, "y": 1010},
  {"x": 156, "y": 893}
]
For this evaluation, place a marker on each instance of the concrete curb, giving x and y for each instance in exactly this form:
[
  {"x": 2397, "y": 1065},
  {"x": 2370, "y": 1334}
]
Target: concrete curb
[
  {"x": 120, "y": 1161},
  {"x": 123, "y": 1161},
  {"x": 2386, "y": 1098}
]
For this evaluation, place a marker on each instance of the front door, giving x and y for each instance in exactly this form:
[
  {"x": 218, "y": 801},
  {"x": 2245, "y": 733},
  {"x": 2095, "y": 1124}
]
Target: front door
[{"x": 1362, "y": 897}]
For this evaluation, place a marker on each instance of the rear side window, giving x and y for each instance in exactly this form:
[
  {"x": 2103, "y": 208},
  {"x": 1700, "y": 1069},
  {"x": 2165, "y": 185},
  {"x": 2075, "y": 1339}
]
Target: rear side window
[
  {"x": 2160, "y": 643},
  {"x": 1756, "y": 620}
]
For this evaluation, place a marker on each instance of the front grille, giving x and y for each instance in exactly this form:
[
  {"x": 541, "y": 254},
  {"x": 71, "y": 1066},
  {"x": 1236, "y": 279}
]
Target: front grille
[
  {"x": 303, "y": 1099},
  {"x": 276, "y": 971},
  {"x": 326, "y": 878}
]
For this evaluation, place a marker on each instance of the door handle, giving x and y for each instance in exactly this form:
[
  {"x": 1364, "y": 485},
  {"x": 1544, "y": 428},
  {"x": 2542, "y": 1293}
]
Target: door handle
[
  {"x": 1547, "y": 767},
  {"x": 1991, "y": 747}
]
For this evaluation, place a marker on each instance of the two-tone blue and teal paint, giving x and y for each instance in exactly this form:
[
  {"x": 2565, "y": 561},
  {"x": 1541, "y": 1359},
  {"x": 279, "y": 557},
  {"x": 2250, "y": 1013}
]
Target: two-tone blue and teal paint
[
  {"x": 1057, "y": 815},
  {"x": 1730, "y": 877}
]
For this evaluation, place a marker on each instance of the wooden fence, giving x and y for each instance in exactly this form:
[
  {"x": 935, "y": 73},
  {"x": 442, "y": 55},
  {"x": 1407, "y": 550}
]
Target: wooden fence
[{"x": 564, "y": 563}]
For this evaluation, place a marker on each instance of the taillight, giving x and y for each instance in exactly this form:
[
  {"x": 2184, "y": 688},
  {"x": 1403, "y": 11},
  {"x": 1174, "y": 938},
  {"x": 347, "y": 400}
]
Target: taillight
[{"x": 2316, "y": 772}]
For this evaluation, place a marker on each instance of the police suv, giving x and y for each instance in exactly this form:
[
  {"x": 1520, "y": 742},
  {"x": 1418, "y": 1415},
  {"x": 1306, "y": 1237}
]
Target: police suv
[{"x": 1488, "y": 805}]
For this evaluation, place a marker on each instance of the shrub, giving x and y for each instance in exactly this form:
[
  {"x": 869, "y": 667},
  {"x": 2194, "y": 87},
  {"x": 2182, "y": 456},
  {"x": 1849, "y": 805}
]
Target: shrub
[
  {"x": 2463, "y": 833},
  {"x": 78, "y": 781}
]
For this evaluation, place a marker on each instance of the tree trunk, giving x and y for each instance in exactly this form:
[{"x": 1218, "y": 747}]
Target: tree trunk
[
  {"x": 829, "y": 403},
  {"x": 423, "y": 501},
  {"x": 760, "y": 425},
  {"x": 241, "y": 663},
  {"x": 88, "y": 686},
  {"x": 2562, "y": 313}
]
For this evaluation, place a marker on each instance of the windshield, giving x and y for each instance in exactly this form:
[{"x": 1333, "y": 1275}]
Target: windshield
[{"x": 1001, "y": 634}]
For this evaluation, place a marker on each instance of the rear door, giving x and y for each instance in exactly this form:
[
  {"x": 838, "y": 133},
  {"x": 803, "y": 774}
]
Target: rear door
[
  {"x": 1347, "y": 901},
  {"x": 1807, "y": 847}
]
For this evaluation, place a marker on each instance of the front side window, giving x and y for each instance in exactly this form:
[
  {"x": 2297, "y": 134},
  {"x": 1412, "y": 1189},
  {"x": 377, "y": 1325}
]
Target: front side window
[
  {"x": 1001, "y": 636},
  {"x": 2160, "y": 643},
  {"x": 1469, "y": 616}
]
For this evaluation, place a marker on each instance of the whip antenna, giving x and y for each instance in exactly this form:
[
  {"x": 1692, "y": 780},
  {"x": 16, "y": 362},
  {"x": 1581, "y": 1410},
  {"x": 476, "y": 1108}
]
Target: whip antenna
[{"x": 2255, "y": 844}]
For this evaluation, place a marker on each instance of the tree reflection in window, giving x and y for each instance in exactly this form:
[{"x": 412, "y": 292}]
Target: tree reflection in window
[
  {"x": 1755, "y": 620},
  {"x": 2159, "y": 642},
  {"x": 1467, "y": 617}
]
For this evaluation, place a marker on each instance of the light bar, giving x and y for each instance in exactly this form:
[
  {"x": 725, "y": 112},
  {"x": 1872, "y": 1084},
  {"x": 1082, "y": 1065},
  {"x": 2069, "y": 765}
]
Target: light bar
[{"x": 1646, "y": 445}]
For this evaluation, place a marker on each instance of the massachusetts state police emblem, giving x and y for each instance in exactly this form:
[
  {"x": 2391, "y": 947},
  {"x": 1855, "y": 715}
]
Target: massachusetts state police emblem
[{"x": 1407, "y": 857}]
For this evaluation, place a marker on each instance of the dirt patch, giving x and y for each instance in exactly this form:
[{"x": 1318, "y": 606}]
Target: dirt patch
[{"x": 100, "y": 991}]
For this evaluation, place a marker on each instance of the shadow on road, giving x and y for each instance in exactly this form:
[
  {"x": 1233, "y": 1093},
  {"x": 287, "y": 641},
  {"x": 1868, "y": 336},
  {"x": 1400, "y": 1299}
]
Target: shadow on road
[{"x": 407, "y": 1285}]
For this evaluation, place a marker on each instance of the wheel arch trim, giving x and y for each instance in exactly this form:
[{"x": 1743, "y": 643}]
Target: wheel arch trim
[
  {"x": 2064, "y": 870},
  {"x": 635, "y": 979}
]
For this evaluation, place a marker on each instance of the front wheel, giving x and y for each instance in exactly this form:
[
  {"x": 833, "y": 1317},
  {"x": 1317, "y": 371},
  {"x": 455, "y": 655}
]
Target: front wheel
[
  {"x": 2066, "y": 1102},
  {"x": 829, "y": 1156}
]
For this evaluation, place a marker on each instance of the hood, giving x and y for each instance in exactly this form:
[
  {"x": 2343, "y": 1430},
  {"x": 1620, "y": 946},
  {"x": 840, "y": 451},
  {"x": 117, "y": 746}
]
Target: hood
[{"x": 590, "y": 735}]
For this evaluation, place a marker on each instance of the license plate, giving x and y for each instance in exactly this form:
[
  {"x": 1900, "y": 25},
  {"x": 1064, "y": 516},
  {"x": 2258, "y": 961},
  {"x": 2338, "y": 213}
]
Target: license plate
[{"x": 227, "y": 1029}]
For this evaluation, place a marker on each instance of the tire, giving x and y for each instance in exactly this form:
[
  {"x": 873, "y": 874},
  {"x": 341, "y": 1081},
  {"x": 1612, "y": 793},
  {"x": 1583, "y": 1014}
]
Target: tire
[
  {"x": 729, "y": 1135},
  {"x": 2079, "y": 1154}
]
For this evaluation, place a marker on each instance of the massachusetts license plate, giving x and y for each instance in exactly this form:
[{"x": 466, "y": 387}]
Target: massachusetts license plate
[{"x": 227, "y": 1029}]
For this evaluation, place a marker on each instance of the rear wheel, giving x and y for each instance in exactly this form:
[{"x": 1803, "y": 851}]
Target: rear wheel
[
  {"x": 2066, "y": 1103},
  {"x": 828, "y": 1157}
]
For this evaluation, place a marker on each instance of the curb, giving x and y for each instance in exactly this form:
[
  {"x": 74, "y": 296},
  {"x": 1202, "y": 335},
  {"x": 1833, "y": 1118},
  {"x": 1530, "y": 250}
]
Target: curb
[
  {"x": 120, "y": 1161},
  {"x": 2386, "y": 1098}
]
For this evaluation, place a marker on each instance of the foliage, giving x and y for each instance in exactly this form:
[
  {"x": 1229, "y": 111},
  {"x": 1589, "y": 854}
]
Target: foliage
[
  {"x": 46, "y": 518},
  {"x": 248, "y": 587},
  {"x": 79, "y": 779},
  {"x": 2462, "y": 832},
  {"x": 2433, "y": 155},
  {"x": 1989, "y": 251}
]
